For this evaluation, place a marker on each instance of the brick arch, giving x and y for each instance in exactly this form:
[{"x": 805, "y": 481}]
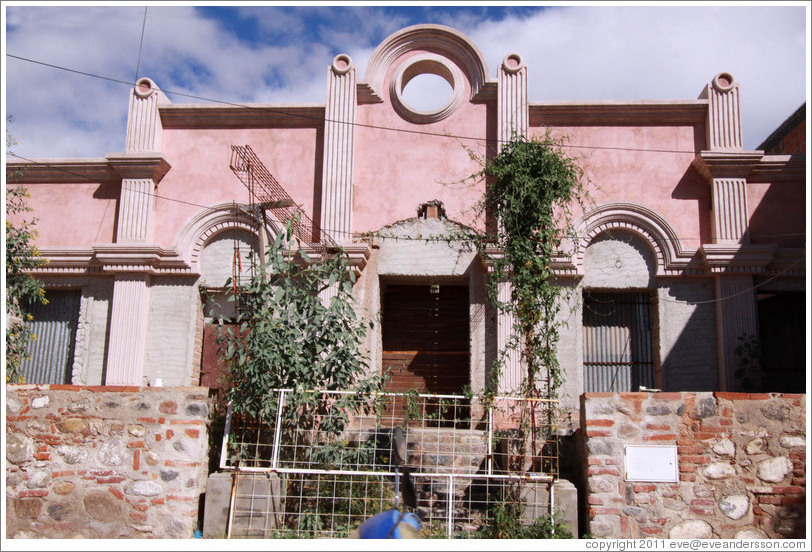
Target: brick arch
[
  {"x": 208, "y": 223},
  {"x": 654, "y": 229}
]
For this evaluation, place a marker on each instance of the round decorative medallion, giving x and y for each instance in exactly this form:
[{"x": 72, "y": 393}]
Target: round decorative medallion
[{"x": 420, "y": 65}]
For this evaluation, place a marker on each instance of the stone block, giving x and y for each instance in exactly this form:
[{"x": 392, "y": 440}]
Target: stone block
[{"x": 260, "y": 513}]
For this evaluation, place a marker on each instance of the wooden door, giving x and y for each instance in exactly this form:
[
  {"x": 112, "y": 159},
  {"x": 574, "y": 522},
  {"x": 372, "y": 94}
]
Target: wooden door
[{"x": 426, "y": 338}]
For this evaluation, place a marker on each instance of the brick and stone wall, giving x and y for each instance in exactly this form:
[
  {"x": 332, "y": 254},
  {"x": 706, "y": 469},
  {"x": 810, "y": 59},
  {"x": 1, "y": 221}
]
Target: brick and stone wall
[
  {"x": 741, "y": 465},
  {"x": 104, "y": 462}
]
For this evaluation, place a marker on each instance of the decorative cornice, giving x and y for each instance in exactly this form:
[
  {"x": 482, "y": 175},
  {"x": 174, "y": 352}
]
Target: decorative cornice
[
  {"x": 112, "y": 259},
  {"x": 713, "y": 164},
  {"x": 139, "y": 165},
  {"x": 59, "y": 171},
  {"x": 779, "y": 168},
  {"x": 751, "y": 259},
  {"x": 242, "y": 116},
  {"x": 605, "y": 113},
  {"x": 357, "y": 254}
]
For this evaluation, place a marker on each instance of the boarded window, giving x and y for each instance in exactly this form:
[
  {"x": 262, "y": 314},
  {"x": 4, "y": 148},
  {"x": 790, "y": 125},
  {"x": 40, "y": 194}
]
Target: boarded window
[
  {"x": 54, "y": 327},
  {"x": 618, "y": 342}
]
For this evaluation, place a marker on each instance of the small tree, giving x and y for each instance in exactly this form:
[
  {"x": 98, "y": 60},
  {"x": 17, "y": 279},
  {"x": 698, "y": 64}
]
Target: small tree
[
  {"x": 21, "y": 288},
  {"x": 289, "y": 338}
]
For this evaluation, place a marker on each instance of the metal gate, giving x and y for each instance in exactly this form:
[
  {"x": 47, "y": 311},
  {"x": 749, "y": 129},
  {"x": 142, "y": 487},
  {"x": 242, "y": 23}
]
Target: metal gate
[
  {"x": 618, "y": 342},
  {"x": 464, "y": 457}
]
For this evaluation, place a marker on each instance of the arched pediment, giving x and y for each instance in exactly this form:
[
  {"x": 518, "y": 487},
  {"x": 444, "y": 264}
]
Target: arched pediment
[
  {"x": 653, "y": 228},
  {"x": 437, "y": 39}
]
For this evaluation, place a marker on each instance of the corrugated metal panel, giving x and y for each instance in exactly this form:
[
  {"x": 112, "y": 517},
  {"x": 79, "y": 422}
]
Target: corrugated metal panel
[
  {"x": 54, "y": 326},
  {"x": 618, "y": 349}
]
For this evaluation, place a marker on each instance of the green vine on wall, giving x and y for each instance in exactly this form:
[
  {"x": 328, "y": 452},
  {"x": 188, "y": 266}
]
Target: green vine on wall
[{"x": 532, "y": 186}]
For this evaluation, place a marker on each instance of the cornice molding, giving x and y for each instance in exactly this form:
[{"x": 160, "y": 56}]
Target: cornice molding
[
  {"x": 622, "y": 113},
  {"x": 242, "y": 116},
  {"x": 726, "y": 258},
  {"x": 148, "y": 165},
  {"x": 47, "y": 171},
  {"x": 113, "y": 259},
  {"x": 717, "y": 164}
]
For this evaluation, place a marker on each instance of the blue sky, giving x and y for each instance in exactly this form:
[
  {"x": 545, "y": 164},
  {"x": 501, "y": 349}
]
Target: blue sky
[{"x": 279, "y": 54}]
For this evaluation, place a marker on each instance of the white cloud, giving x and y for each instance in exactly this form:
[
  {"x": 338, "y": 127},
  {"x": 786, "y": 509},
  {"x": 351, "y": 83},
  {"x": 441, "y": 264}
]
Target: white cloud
[{"x": 579, "y": 53}]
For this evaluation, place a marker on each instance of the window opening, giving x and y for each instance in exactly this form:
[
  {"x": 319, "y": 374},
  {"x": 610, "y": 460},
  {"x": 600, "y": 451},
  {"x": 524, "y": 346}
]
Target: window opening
[{"x": 618, "y": 342}]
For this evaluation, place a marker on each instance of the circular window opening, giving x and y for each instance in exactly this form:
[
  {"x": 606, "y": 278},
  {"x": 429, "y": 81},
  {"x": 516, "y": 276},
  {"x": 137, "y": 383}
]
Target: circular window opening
[{"x": 427, "y": 92}]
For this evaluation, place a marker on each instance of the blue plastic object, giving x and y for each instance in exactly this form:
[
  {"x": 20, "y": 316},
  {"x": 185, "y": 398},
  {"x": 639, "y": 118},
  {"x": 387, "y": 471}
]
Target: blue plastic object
[{"x": 391, "y": 524}]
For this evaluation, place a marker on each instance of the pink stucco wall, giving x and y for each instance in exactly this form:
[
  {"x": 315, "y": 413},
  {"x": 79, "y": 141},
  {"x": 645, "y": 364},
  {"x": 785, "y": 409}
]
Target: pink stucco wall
[
  {"x": 201, "y": 177},
  {"x": 650, "y": 165},
  {"x": 72, "y": 214},
  {"x": 770, "y": 220}
]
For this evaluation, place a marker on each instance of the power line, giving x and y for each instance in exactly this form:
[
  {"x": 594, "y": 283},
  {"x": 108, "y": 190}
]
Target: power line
[
  {"x": 280, "y": 111},
  {"x": 378, "y": 234},
  {"x": 141, "y": 44}
]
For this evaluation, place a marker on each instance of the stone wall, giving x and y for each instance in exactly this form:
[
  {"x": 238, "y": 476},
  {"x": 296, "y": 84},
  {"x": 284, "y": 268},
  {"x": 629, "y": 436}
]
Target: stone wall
[
  {"x": 104, "y": 462},
  {"x": 740, "y": 461}
]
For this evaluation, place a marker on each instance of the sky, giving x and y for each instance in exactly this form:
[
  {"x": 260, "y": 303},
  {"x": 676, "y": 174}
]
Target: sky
[{"x": 279, "y": 54}]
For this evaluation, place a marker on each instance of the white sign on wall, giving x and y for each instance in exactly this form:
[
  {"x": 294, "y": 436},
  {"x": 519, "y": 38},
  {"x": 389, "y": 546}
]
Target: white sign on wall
[{"x": 653, "y": 463}]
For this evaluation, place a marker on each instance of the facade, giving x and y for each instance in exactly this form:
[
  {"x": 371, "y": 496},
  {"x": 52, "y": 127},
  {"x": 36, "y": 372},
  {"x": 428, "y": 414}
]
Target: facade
[{"x": 685, "y": 236}]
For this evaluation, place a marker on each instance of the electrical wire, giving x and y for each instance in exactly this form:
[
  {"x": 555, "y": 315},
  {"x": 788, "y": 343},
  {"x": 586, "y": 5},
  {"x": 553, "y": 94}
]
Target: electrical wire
[
  {"x": 141, "y": 44},
  {"x": 281, "y": 111},
  {"x": 377, "y": 234}
]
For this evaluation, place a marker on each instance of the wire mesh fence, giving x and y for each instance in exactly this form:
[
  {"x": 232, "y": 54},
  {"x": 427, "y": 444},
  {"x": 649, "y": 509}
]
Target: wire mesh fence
[{"x": 320, "y": 470}]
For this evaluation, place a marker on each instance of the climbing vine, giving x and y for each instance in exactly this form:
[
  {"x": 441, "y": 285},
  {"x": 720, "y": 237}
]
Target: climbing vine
[{"x": 532, "y": 186}]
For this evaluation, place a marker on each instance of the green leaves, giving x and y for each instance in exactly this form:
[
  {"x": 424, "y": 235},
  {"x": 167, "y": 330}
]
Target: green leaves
[
  {"x": 532, "y": 185},
  {"x": 291, "y": 337}
]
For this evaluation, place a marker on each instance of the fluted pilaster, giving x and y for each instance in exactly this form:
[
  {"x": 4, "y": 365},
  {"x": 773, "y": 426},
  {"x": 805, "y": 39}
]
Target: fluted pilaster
[
  {"x": 736, "y": 317},
  {"x": 135, "y": 210},
  {"x": 730, "y": 216},
  {"x": 724, "y": 129},
  {"x": 339, "y": 150},
  {"x": 510, "y": 378},
  {"x": 128, "y": 330},
  {"x": 514, "y": 113},
  {"x": 144, "y": 122}
]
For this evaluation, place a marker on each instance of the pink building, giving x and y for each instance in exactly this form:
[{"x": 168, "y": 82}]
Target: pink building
[{"x": 693, "y": 240}]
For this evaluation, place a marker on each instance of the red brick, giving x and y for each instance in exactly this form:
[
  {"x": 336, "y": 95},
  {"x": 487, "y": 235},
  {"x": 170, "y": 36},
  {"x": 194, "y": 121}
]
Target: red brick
[
  {"x": 594, "y": 461},
  {"x": 651, "y": 530},
  {"x": 644, "y": 488},
  {"x": 601, "y": 423},
  {"x": 666, "y": 396},
  {"x": 137, "y": 516},
  {"x": 597, "y": 433},
  {"x": 703, "y": 502},
  {"x": 193, "y": 433},
  {"x": 725, "y": 422},
  {"x": 116, "y": 493},
  {"x": 43, "y": 448},
  {"x": 169, "y": 433},
  {"x": 177, "y": 498},
  {"x": 713, "y": 429},
  {"x": 606, "y": 511},
  {"x": 658, "y": 427},
  {"x": 702, "y": 435},
  {"x": 140, "y": 507},
  {"x": 695, "y": 459},
  {"x": 595, "y": 471},
  {"x": 594, "y": 500},
  {"x": 136, "y": 459},
  {"x": 687, "y": 477},
  {"x": 63, "y": 473},
  {"x": 659, "y": 521},
  {"x": 33, "y": 492},
  {"x": 701, "y": 511},
  {"x": 634, "y": 396},
  {"x": 596, "y": 395},
  {"x": 157, "y": 501},
  {"x": 797, "y": 455},
  {"x": 112, "y": 388},
  {"x": 187, "y": 422},
  {"x": 109, "y": 480},
  {"x": 612, "y": 462},
  {"x": 687, "y": 468},
  {"x": 660, "y": 437},
  {"x": 624, "y": 526},
  {"x": 788, "y": 490},
  {"x": 101, "y": 473},
  {"x": 147, "y": 420},
  {"x": 191, "y": 513},
  {"x": 179, "y": 463},
  {"x": 42, "y": 456}
]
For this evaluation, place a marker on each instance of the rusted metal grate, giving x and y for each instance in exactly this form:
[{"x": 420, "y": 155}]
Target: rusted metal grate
[{"x": 268, "y": 195}]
